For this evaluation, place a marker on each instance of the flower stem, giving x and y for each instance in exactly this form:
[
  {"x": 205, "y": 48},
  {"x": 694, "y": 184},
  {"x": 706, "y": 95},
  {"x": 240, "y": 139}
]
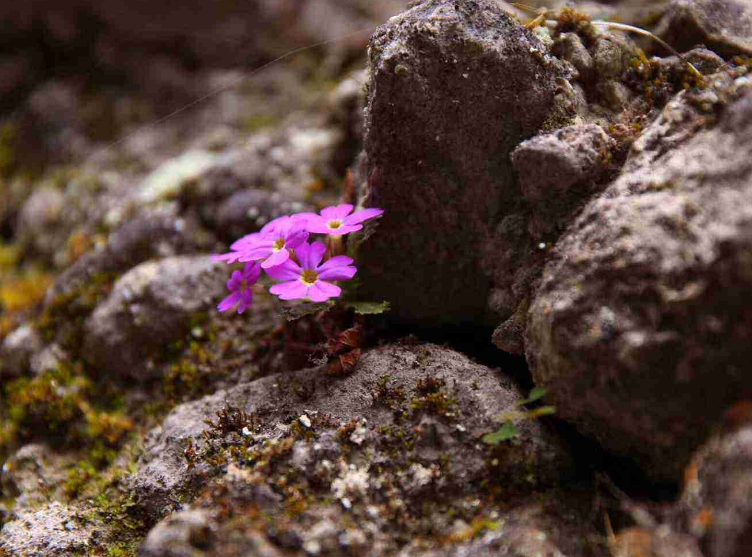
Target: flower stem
[{"x": 335, "y": 245}]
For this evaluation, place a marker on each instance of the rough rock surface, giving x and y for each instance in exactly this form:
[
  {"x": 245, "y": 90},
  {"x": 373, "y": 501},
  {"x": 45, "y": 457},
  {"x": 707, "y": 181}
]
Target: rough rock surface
[
  {"x": 641, "y": 327},
  {"x": 439, "y": 165},
  {"x": 32, "y": 475},
  {"x": 548, "y": 164},
  {"x": 555, "y": 524},
  {"x": 413, "y": 406},
  {"x": 148, "y": 236},
  {"x": 723, "y": 26},
  {"x": 17, "y": 350},
  {"x": 149, "y": 307},
  {"x": 180, "y": 535},
  {"x": 717, "y": 496},
  {"x": 52, "y": 530}
]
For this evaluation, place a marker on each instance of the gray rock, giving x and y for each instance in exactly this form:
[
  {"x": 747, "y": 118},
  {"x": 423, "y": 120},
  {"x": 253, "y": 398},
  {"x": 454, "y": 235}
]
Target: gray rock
[
  {"x": 182, "y": 534},
  {"x": 33, "y": 475},
  {"x": 557, "y": 528},
  {"x": 616, "y": 94},
  {"x": 430, "y": 403},
  {"x": 17, "y": 350},
  {"x": 52, "y": 530},
  {"x": 608, "y": 59},
  {"x": 723, "y": 26},
  {"x": 149, "y": 307},
  {"x": 454, "y": 87},
  {"x": 39, "y": 219},
  {"x": 569, "y": 46},
  {"x": 248, "y": 210},
  {"x": 640, "y": 328},
  {"x": 718, "y": 492},
  {"x": 48, "y": 358},
  {"x": 548, "y": 165},
  {"x": 150, "y": 235}
]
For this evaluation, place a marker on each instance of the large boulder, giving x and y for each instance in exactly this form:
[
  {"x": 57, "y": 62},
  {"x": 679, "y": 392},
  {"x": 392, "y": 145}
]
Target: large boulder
[
  {"x": 642, "y": 326},
  {"x": 454, "y": 87},
  {"x": 149, "y": 307},
  {"x": 717, "y": 497},
  {"x": 402, "y": 412},
  {"x": 724, "y": 26}
]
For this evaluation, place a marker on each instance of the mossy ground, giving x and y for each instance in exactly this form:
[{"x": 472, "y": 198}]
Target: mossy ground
[{"x": 81, "y": 411}]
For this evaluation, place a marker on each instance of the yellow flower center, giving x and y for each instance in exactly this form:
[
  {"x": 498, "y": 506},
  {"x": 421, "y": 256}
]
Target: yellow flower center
[
  {"x": 279, "y": 244},
  {"x": 335, "y": 224},
  {"x": 309, "y": 277}
]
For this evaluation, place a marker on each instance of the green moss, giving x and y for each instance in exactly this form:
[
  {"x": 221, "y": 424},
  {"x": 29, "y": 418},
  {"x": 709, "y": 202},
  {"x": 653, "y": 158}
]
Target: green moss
[
  {"x": 62, "y": 318},
  {"x": 431, "y": 398},
  {"x": 60, "y": 404},
  {"x": 24, "y": 290},
  {"x": 197, "y": 368}
]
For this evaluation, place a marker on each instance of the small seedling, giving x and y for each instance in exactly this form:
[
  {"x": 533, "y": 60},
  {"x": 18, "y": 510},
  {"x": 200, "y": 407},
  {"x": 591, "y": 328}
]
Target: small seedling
[{"x": 510, "y": 418}]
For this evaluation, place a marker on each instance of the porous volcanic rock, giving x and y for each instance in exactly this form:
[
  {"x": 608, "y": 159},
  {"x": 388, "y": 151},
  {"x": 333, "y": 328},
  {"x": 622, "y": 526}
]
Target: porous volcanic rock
[
  {"x": 723, "y": 26},
  {"x": 717, "y": 494},
  {"x": 149, "y": 307},
  {"x": 454, "y": 87},
  {"x": 52, "y": 530},
  {"x": 411, "y": 417},
  {"x": 642, "y": 327}
]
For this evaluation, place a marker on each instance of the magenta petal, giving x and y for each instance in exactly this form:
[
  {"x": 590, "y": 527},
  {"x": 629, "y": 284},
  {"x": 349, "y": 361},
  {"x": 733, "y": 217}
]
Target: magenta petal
[
  {"x": 318, "y": 227},
  {"x": 246, "y": 298},
  {"x": 292, "y": 290},
  {"x": 273, "y": 225},
  {"x": 338, "y": 273},
  {"x": 252, "y": 272},
  {"x": 364, "y": 214},
  {"x": 337, "y": 213},
  {"x": 234, "y": 281},
  {"x": 310, "y": 255},
  {"x": 276, "y": 258},
  {"x": 345, "y": 229},
  {"x": 336, "y": 261},
  {"x": 304, "y": 217},
  {"x": 255, "y": 254},
  {"x": 288, "y": 270},
  {"x": 322, "y": 291},
  {"x": 296, "y": 237},
  {"x": 315, "y": 255},
  {"x": 229, "y": 302},
  {"x": 230, "y": 257},
  {"x": 247, "y": 241}
]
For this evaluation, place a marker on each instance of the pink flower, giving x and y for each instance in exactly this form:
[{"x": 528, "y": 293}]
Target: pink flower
[
  {"x": 337, "y": 221},
  {"x": 240, "y": 285},
  {"x": 238, "y": 248},
  {"x": 272, "y": 243},
  {"x": 311, "y": 279}
]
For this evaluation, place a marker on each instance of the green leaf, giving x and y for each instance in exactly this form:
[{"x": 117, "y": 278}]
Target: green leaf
[
  {"x": 538, "y": 412},
  {"x": 368, "y": 308},
  {"x": 536, "y": 394},
  {"x": 504, "y": 433},
  {"x": 301, "y": 310}
]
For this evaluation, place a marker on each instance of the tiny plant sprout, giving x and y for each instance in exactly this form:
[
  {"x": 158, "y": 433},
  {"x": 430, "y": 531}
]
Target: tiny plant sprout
[{"x": 304, "y": 271}]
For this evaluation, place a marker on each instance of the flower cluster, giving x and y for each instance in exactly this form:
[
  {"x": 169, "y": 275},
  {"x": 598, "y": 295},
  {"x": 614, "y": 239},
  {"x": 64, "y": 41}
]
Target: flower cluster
[{"x": 281, "y": 248}]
